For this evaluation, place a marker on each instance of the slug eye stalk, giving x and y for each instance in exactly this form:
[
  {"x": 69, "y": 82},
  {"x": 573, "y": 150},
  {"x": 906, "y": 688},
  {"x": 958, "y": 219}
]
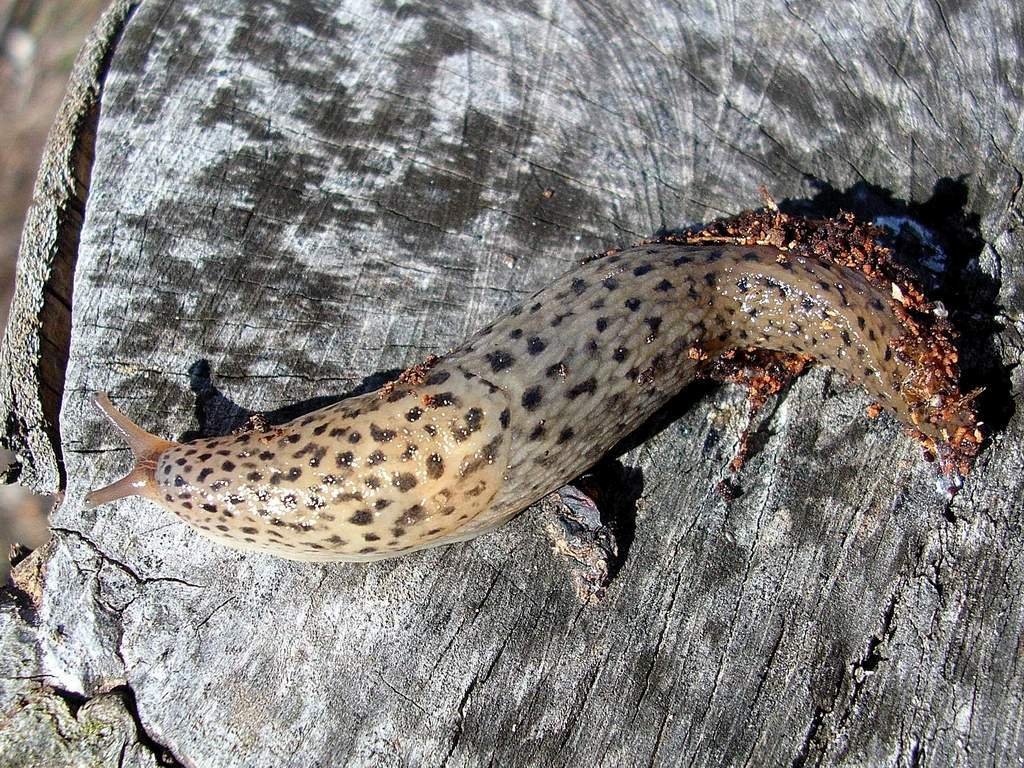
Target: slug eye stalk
[{"x": 140, "y": 481}]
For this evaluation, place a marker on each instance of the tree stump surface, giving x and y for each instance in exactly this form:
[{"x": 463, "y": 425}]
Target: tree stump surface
[{"x": 311, "y": 195}]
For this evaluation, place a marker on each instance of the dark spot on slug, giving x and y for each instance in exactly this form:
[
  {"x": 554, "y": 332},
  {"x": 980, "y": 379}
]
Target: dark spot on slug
[
  {"x": 535, "y": 345},
  {"x": 204, "y": 473},
  {"x": 412, "y": 515},
  {"x": 583, "y": 388},
  {"x": 437, "y": 377},
  {"x": 435, "y": 466},
  {"x": 532, "y": 398},
  {"x": 643, "y": 269},
  {"x": 443, "y": 400},
  {"x": 362, "y": 517},
  {"x": 404, "y": 481},
  {"x": 381, "y": 435},
  {"x": 414, "y": 414},
  {"x": 317, "y": 457},
  {"x": 601, "y": 324},
  {"x": 565, "y": 435},
  {"x": 558, "y": 369},
  {"x": 499, "y": 360},
  {"x": 633, "y": 304},
  {"x": 578, "y": 286},
  {"x": 664, "y": 286}
]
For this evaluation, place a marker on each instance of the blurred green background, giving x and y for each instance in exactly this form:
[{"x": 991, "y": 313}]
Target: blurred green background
[{"x": 38, "y": 43}]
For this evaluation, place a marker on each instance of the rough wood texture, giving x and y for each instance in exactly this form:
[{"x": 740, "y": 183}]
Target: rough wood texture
[
  {"x": 34, "y": 352},
  {"x": 306, "y": 196}
]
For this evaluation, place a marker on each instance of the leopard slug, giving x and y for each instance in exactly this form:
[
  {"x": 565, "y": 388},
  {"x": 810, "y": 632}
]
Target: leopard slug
[{"x": 460, "y": 445}]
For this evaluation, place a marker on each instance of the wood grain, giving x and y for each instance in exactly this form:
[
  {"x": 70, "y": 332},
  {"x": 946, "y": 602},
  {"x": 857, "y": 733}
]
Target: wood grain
[{"x": 307, "y": 196}]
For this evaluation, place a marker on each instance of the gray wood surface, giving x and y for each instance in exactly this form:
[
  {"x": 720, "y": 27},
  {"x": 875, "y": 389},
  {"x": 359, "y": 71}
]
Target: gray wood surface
[{"x": 308, "y": 194}]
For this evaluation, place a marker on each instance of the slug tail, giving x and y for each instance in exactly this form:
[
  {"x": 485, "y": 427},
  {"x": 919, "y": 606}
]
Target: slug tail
[{"x": 147, "y": 449}]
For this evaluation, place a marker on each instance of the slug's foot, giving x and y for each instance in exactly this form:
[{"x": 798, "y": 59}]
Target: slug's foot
[{"x": 574, "y": 526}]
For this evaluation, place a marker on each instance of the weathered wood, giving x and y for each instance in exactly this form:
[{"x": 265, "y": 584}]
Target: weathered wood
[
  {"x": 34, "y": 352},
  {"x": 307, "y": 195}
]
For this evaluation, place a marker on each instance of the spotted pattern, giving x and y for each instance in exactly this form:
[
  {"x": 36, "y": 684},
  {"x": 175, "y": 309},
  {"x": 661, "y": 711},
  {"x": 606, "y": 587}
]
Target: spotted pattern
[
  {"x": 361, "y": 482},
  {"x": 522, "y": 406}
]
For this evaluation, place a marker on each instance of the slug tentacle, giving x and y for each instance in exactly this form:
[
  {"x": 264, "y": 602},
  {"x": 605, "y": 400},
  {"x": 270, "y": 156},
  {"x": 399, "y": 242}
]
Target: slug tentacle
[
  {"x": 462, "y": 443},
  {"x": 147, "y": 449}
]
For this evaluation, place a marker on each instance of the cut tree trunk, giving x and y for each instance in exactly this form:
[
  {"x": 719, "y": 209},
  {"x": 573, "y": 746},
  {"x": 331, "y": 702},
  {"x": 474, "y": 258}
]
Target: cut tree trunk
[{"x": 308, "y": 196}]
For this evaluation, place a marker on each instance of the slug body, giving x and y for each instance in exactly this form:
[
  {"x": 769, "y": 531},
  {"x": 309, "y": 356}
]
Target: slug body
[{"x": 524, "y": 405}]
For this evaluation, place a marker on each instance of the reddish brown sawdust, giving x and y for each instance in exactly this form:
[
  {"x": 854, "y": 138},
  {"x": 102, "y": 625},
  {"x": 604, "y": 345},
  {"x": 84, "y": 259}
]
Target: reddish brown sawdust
[{"x": 412, "y": 377}]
